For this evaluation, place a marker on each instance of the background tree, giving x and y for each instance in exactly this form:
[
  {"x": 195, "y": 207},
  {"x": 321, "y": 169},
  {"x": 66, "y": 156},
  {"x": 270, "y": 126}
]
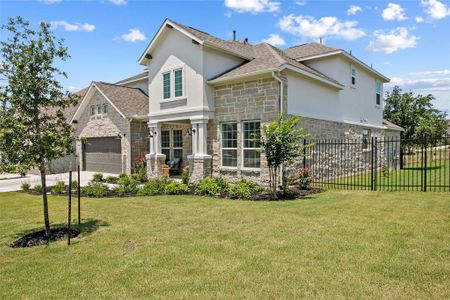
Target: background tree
[
  {"x": 416, "y": 114},
  {"x": 281, "y": 141},
  {"x": 33, "y": 129}
]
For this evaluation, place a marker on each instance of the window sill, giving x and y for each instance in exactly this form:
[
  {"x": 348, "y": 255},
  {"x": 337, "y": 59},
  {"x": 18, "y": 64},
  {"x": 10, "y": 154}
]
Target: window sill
[
  {"x": 173, "y": 99},
  {"x": 251, "y": 169},
  {"x": 228, "y": 168}
]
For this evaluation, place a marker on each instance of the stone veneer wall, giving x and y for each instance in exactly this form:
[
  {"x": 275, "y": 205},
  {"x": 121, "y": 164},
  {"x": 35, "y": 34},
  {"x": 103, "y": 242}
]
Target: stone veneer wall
[
  {"x": 244, "y": 101},
  {"x": 107, "y": 125},
  {"x": 140, "y": 144}
]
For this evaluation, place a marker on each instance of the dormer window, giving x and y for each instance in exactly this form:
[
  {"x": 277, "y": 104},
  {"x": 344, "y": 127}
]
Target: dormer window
[{"x": 353, "y": 76}]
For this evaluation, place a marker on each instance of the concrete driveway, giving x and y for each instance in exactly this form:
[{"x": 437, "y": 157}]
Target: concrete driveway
[{"x": 12, "y": 182}]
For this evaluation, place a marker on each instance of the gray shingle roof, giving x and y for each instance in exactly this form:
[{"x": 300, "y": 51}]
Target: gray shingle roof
[
  {"x": 391, "y": 125},
  {"x": 130, "y": 101},
  {"x": 134, "y": 77},
  {"x": 306, "y": 50}
]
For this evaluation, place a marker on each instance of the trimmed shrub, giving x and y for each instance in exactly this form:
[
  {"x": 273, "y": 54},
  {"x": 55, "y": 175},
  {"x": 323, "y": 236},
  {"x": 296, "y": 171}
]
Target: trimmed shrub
[
  {"x": 111, "y": 179},
  {"x": 97, "y": 177},
  {"x": 121, "y": 175},
  {"x": 139, "y": 177},
  {"x": 126, "y": 185},
  {"x": 95, "y": 189},
  {"x": 243, "y": 189},
  {"x": 176, "y": 188},
  {"x": 304, "y": 179},
  {"x": 154, "y": 187},
  {"x": 25, "y": 186},
  {"x": 59, "y": 188},
  {"x": 210, "y": 186},
  {"x": 37, "y": 189}
]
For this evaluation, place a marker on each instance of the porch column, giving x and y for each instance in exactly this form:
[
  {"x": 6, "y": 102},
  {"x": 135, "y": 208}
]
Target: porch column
[
  {"x": 199, "y": 161},
  {"x": 155, "y": 160}
]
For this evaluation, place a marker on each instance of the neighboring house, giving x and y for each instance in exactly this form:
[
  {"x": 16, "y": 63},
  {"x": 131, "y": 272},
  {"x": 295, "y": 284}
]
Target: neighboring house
[{"x": 111, "y": 127}]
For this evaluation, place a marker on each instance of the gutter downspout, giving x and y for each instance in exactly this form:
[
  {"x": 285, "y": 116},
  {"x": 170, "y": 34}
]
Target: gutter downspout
[{"x": 281, "y": 89}]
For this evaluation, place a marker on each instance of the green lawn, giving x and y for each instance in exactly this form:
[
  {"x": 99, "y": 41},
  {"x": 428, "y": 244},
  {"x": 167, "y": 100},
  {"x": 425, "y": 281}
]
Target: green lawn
[
  {"x": 408, "y": 179},
  {"x": 337, "y": 244}
]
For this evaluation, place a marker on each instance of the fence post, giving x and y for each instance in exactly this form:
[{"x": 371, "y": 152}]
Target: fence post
[
  {"x": 69, "y": 208},
  {"x": 79, "y": 193},
  {"x": 304, "y": 153},
  {"x": 425, "y": 165},
  {"x": 372, "y": 165}
]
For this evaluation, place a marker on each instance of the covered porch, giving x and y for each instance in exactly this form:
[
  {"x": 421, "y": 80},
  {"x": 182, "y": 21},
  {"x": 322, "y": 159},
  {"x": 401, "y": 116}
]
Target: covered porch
[{"x": 179, "y": 143}]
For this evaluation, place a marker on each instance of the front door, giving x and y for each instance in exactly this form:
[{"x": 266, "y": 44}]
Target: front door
[{"x": 172, "y": 143}]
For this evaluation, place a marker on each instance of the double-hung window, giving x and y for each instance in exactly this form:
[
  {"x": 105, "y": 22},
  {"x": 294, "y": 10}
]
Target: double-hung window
[
  {"x": 105, "y": 108},
  {"x": 229, "y": 144},
  {"x": 252, "y": 144},
  {"x": 178, "y": 74},
  {"x": 177, "y": 143},
  {"x": 165, "y": 143},
  {"x": 166, "y": 85},
  {"x": 378, "y": 93},
  {"x": 93, "y": 110},
  {"x": 353, "y": 76}
]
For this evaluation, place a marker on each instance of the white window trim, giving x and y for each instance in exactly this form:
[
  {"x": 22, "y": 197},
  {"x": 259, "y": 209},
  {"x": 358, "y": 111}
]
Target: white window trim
[
  {"x": 243, "y": 148},
  {"x": 171, "y": 72},
  {"x": 226, "y": 148}
]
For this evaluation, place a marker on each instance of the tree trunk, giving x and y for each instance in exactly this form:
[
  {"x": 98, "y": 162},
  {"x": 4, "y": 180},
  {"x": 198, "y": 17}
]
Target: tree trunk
[{"x": 44, "y": 199}]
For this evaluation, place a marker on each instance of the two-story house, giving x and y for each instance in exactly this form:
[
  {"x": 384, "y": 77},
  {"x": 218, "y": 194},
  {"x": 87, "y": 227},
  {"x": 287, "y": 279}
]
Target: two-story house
[{"x": 208, "y": 97}]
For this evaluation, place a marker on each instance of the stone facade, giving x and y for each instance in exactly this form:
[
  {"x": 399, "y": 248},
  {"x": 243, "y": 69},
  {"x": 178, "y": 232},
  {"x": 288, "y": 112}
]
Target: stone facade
[
  {"x": 133, "y": 134},
  {"x": 256, "y": 100}
]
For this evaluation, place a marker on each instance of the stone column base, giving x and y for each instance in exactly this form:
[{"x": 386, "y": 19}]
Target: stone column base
[
  {"x": 199, "y": 167},
  {"x": 155, "y": 163}
]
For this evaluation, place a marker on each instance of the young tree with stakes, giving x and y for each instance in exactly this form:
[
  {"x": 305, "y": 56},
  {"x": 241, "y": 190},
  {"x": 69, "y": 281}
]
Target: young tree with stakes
[
  {"x": 281, "y": 141},
  {"x": 33, "y": 129}
]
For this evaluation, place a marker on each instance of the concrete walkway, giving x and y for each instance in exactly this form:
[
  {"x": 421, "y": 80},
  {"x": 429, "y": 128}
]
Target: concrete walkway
[{"x": 11, "y": 182}]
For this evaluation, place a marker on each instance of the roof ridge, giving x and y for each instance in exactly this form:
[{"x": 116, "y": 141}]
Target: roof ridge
[
  {"x": 118, "y": 85},
  {"x": 275, "y": 53}
]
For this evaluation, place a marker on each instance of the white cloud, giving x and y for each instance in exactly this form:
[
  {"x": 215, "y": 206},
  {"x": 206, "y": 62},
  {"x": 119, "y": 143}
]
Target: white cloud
[
  {"x": 393, "y": 12},
  {"x": 353, "y": 10},
  {"x": 300, "y": 2},
  {"x": 431, "y": 73},
  {"x": 326, "y": 27},
  {"x": 133, "y": 35},
  {"x": 73, "y": 89},
  {"x": 50, "y": 1},
  {"x": 275, "y": 40},
  {"x": 419, "y": 19},
  {"x": 73, "y": 26},
  {"x": 253, "y": 6},
  {"x": 118, "y": 2},
  {"x": 436, "y": 9},
  {"x": 393, "y": 41}
]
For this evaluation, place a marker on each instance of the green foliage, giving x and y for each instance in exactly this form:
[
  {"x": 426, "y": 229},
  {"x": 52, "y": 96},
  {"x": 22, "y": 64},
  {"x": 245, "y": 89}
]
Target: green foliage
[
  {"x": 33, "y": 128},
  {"x": 176, "y": 188},
  {"x": 243, "y": 189},
  {"x": 38, "y": 189},
  {"x": 95, "y": 189},
  {"x": 59, "y": 188},
  {"x": 281, "y": 143},
  {"x": 304, "y": 179},
  {"x": 74, "y": 184},
  {"x": 209, "y": 186},
  {"x": 25, "y": 186},
  {"x": 154, "y": 187},
  {"x": 185, "y": 175},
  {"x": 417, "y": 116},
  {"x": 121, "y": 175},
  {"x": 111, "y": 179},
  {"x": 97, "y": 177},
  {"x": 126, "y": 185}
]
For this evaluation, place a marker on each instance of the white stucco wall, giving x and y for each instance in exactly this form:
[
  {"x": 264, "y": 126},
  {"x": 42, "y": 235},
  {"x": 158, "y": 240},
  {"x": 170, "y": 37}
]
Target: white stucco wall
[
  {"x": 140, "y": 84},
  {"x": 176, "y": 50},
  {"x": 352, "y": 103}
]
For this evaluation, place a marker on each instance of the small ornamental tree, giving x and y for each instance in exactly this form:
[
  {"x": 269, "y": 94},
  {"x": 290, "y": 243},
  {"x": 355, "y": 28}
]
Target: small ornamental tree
[
  {"x": 281, "y": 141},
  {"x": 33, "y": 129}
]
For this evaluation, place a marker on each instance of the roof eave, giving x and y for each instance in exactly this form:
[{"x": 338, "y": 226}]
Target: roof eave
[
  {"x": 234, "y": 53},
  {"x": 313, "y": 76},
  {"x": 236, "y": 77}
]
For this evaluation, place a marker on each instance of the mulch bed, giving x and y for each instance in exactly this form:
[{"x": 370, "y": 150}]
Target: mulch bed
[{"x": 39, "y": 238}]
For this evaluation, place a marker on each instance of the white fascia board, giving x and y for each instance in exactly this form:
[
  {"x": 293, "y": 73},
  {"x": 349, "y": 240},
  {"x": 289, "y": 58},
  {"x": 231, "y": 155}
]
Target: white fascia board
[
  {"x": 313, "y": 76},
  {"x": 132, "y": 80},
  {"x": 155, "y": 38},
  {"x": 79, "y": 109}
]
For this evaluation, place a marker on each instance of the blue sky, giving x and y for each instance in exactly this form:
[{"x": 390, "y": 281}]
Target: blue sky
[{"x": 408, "y": 41}]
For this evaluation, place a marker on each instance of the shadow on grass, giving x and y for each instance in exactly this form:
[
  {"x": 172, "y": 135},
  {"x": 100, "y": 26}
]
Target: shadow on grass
[{"x": 37, "y": 236}]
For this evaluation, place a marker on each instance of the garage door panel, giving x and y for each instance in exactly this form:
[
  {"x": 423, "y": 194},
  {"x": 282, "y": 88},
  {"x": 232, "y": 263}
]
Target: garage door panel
[{"x": 103, "y": 155}]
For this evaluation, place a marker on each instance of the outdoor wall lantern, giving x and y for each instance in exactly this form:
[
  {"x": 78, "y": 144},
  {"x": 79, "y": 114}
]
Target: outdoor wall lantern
[{"x": 189, "y": 132}]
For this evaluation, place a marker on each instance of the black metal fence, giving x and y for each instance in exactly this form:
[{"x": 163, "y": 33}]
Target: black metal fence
[{"x": 388, "y": 165}]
